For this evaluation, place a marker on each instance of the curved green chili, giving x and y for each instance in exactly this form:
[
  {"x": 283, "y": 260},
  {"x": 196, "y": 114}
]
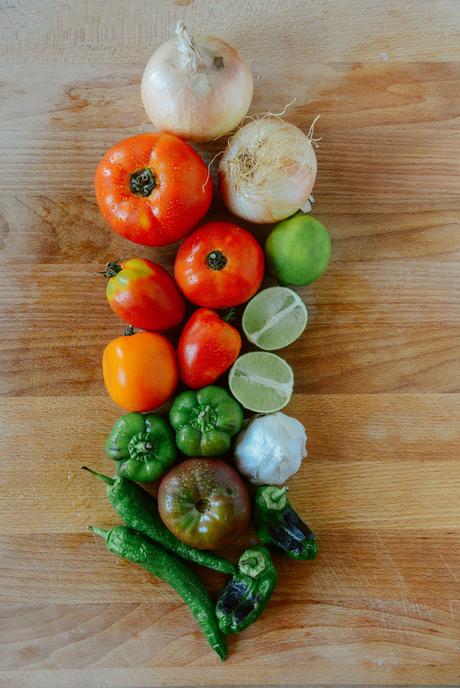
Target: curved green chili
[
  {"x": 126, "y": 543},
  {"x": 139, "y": 510}
]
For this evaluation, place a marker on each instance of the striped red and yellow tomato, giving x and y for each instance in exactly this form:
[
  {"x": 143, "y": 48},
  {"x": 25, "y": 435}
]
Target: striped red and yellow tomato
[{"x": 143, "y": 294}]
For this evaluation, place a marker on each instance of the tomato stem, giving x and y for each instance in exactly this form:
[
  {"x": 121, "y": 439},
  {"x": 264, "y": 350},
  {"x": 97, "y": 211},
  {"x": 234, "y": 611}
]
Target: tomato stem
[
  {"x": 128, "y": 331},
  {"x": 111, "y": 269},
  {"x": 229, "y": 315},
  {"x": 216, "y": 260},
  {"x": 142, "y": 182}
]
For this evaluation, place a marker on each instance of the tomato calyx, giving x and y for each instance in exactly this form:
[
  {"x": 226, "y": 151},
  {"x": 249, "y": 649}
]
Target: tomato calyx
[
  {"x": 111, "y": 269},
  {"x": 129, "y": 331},
  {"x": 216, "y": 260},
  {"x": 142, "y": 182},
  {"x": 203, "y": 505},
  {"x": 229, "y": 315}
]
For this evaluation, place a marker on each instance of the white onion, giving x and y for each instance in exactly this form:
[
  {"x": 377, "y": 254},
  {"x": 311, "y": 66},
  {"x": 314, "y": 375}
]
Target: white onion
[
  {"x": 196, "y": 87},
  {"x": 268, "y": 170}
]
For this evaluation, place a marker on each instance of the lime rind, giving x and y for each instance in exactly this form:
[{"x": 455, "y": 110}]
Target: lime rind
[
  {"x": 274, "y": 318},
  {"x": 261, "y": 381}
]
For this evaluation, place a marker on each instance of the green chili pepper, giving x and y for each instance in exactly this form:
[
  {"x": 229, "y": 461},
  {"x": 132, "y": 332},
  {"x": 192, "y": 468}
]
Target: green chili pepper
[
  {"x": 278, "y": 524},
  {"x": 205, "y": 421},
  {"x": 142, "y": 445},
  {"x": 139, "y": 510},
  {"x": 243, "y": 599},
  {"x": 126, "y": 543}
]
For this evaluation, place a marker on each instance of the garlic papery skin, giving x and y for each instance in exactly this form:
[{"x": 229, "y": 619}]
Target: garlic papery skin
[
  {"x": 268, "y": 170},
  {"x": 271, "y": 449},
  {"x": 197, "y": 87}
]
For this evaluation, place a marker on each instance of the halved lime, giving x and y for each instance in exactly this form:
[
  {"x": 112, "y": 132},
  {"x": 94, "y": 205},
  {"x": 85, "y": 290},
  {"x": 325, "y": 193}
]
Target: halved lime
[
  {"x": 274, "y": 318},
  {"x": 261, "y": 382}
]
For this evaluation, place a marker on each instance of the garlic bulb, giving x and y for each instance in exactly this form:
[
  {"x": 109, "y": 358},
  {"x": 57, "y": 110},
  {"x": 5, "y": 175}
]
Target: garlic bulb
[
  {"x": 268, "y": 170},
  {"x": 271, "y": 449},
  {"x": 197, "y": 87}
]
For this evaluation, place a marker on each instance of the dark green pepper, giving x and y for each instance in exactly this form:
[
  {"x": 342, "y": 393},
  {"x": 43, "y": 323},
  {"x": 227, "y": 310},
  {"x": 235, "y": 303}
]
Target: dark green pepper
[
  {"x": 139, "y": 510},
  {"x": 243, "y": 599},
  {"x": 142, "y": 445},
  {"x": 205, "y": 421},
  {"x": 128, "y": 544},
  {"x": 278, "y": 524}
]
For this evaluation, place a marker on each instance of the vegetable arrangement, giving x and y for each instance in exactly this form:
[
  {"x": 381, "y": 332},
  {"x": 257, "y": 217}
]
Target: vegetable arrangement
[{"x": 154, "y": 189}]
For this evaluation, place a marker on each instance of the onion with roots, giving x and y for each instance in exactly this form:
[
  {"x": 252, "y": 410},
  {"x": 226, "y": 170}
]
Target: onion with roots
[
  {"x": 197, "y": 87},
  {"x": 268, "y": 170}
]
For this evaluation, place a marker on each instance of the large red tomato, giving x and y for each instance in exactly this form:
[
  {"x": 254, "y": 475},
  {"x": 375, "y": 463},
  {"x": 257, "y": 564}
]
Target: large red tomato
[
  {"x": 153, "y": 188},
  {"x": 144, "y": 294},
  {"x": 204, "y": 503},
  {"x": 219, "y": 265}
]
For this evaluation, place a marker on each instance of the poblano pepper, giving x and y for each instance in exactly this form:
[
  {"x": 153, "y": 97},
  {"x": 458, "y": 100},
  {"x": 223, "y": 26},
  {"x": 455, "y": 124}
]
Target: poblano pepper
[
  {"x": 128, "y": 544},
  {"x": 205, "y": 421},
  {"x": 142, "y": 445},
  {"x": 139, "y": 510},
  {"x": 278, "y": 524},
  {"x": 243, "y": 599}
]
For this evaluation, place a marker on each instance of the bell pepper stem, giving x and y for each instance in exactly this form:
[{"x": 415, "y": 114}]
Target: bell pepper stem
[
  {"x": 99, "y": 531},
  {"x": 275, "y": 497},
  {"x": 101, "y": 476}
]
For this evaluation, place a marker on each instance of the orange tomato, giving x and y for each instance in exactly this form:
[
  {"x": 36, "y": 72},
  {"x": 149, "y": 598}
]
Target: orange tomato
[
  {"x": 140, "y": 370},
  {"x": 153, "y": 188}
]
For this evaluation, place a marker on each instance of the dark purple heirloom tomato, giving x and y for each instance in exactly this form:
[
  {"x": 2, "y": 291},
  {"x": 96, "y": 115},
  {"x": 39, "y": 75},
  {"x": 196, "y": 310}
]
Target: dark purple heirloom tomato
[{"x": 204, "y": 503}]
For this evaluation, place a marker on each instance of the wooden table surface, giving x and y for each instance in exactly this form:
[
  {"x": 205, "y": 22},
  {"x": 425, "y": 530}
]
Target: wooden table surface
[{"x": 377, "y": 371}]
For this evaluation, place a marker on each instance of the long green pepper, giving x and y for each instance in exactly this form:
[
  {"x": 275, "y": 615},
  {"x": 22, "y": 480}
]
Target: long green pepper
[
  {"x": 126, "y": 543},
  {"x": 139, "y": 510}
]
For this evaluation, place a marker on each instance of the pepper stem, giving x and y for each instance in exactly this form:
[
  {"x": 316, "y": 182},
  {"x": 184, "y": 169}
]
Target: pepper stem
[
  {"x": 251, "y": 563},
  {"x": 101, "y": 476},
  {"x": 100, "y": 531},
  {"x": 275, "y": 498}
]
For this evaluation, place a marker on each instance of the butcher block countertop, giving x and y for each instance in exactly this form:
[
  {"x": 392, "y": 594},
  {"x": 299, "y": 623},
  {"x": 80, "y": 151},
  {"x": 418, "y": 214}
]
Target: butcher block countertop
[{"x": 377, "y": 372}]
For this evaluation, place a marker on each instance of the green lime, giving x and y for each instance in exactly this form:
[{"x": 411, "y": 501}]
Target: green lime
[
  {"x": 261, "y": 381},
  {"x": 274, "y": 318},
  {"x": 298, "y": 250}
]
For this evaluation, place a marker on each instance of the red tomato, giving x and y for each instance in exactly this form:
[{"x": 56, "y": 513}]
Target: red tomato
[
  {"x": 204, "y": 503},
  {"x": 153, "y": 188},
  {"x": 143, "y": 294},
  {"x": 140, "y": 370},
  {"x": 207, "y": 347},
  {"x": 219, "y": 265}
]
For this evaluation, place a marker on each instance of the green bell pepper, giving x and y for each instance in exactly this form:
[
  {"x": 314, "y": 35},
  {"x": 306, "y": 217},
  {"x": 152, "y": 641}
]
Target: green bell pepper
[
  {"x": 245, "y": 596},
  {"x": 278, "y": 524},
  {"x": 142, "y": 445},
  {"x": 205, "y": 421}
]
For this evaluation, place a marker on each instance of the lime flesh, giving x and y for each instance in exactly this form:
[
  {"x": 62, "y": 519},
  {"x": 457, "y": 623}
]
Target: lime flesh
[
  {"x": 274, "y": 318},
  {"x": 261, "y": 381}
]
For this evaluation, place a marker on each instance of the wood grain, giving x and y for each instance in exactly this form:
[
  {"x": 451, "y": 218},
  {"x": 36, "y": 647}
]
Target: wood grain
[{"x": 377, "y": 371}]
